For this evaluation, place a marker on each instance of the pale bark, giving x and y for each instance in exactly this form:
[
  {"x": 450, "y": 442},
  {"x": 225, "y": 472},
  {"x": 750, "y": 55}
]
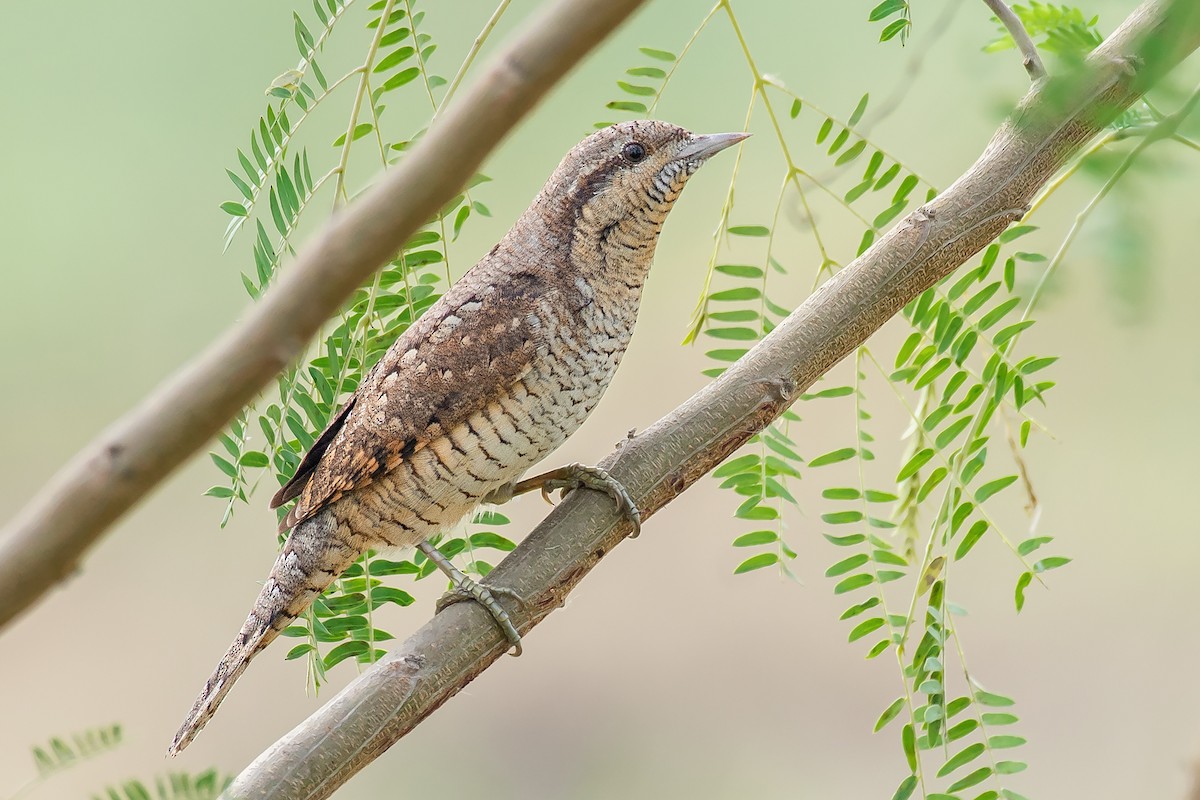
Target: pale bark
[{"x": 1051, "y": 124}]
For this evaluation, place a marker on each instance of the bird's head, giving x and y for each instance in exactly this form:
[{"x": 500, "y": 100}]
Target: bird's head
[{"x": 614, "y": 189}]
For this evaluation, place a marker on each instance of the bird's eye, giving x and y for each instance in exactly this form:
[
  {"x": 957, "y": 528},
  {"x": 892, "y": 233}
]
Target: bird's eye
[{"x": 634, "y": 152}]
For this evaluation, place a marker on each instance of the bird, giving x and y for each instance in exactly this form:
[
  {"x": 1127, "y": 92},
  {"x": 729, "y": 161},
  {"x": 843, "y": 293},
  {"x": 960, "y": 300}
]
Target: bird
[{"x": 490, "y": 380}]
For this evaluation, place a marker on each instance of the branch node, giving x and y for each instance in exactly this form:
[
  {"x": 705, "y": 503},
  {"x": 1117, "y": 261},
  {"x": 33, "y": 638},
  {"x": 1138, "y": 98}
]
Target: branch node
[{"x": 1016, "y": 29}]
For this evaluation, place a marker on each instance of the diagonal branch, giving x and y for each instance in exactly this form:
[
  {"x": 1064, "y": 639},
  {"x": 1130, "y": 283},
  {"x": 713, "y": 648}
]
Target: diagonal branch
[
  {"x": 46, "y": 540},
  {"x": 1029, "y": 52},
  {"x": 1055, "y": 120}
]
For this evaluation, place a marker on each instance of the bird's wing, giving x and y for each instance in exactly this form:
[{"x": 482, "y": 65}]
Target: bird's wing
[{"x": 467, "y": 350}]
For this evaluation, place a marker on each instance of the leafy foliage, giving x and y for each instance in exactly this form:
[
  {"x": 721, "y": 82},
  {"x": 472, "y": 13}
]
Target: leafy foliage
[
  {"x": 900, "y": 27},
  {"x": 206, "y": 785},
  {"x": 1060, "y": 29},
  {"x": 60, "y": 754},
  {"x": 958, "y": 377}
]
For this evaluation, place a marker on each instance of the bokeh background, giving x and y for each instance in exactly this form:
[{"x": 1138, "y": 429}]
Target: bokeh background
[{"x": 665, "y": 675}]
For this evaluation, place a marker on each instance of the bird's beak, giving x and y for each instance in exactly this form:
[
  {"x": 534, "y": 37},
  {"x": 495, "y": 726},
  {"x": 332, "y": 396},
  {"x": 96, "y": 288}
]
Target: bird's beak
[{"x": 704, "y": 145}]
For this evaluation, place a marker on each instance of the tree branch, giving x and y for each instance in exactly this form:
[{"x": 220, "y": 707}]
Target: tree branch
[
  {"x": 1053, "y": 121},
  {"x": 1032, "y": 61},
  {"x": 46, "y": 540}
]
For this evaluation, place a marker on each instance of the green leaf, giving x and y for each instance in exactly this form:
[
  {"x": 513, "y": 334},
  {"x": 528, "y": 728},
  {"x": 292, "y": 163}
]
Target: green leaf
[
  {"x": 972, "y": 779},
  {"x": 491, "y": 517},
  {"x": 646, "y": 72},
  {"x": 1004, "y": 334},
  {"x": 219, "y": 491},
  {"x": 893, "y": 29},
  {"x": 853, "y": 582},
  {"x": 841, "y": 494},
  {"x": 990, "y": 699},
  {"x": 842, "y": 517},
  {"x": 999, "y": 718},
  {"x": 889, "y": 714},
  {"x": 344, "y": 651},
  {"x": 826, "y": 127},
  {"x": 907, "y": 786},
  {"x": 757, "y": 562},
  {"x": 1001, "y": 742},
  {"x": 1016, "y": 232},
  {"x": 254, "y": 459},
  {"x": 973, "y": 536},
  {"x": 734, "y": 466},
  {"x": 388, "y": 594},
  {"x": 915, "y": 463},
  {"x": 493, "y": 540},
  {"x": 962, "y": 757},
  {"x": 360, "y": 130},
  {"x": 846, "y": 541},
  {"x": 731, "y": 295},
  {"x": 298, "y": 650},
  {"x": 626, "y": 105},
  {"x": 889, "y": 214},
  {"x": 636, "y": 89},
  {"x": 859, "y": 110},
  {"x": 234, "y": 209},
  {"x": 395, "y": 58},
  {"x": 851, "y": 153},
  {"x": 740, "y": 270},
  {"x": 833, "y": 457},
  {"x": 961, "y": 729},
  {"x": 660, "y": 55},
  {"x": 1022, "y": 584},
  {"x": 908, "y": 741},
  {"x": 837, "y": 391},
  {"x": 999, "y": 312},
  {"x": 736, "y": 334},
  {"x": 846, "y": 565},
  {"x": 756, "y": 538},
  {"x": 728, "y": 356},
  {"x": 866, "y": 627},
  {"x": 992, "y": 487},
  {"x": 886, "y": 9},
  {"x": 750, "y": 230},
  {"x": 1050, "y": 563},
  {"x": 223, "y": 465}
]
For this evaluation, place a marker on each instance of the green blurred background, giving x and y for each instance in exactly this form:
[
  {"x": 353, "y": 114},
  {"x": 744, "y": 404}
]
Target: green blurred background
[{"x": 664, "y": 676}]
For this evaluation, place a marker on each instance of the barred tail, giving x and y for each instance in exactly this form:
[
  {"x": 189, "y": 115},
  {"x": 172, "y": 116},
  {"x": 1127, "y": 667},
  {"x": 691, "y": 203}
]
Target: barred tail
[{"x": 312, "y": 557}]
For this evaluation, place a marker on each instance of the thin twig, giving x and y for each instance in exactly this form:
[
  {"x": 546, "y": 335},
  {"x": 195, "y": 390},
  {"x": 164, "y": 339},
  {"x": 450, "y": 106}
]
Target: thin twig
[{"x": 1016, "y": 29}]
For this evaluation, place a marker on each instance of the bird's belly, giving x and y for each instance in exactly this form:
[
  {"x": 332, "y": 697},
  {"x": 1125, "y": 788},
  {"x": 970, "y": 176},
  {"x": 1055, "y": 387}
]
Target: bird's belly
[{"x": 440, "y": 483}]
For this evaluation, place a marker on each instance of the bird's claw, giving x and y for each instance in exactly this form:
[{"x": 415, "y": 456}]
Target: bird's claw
[
  {"x": 575, "y": 476},
  {"x": 468, "y": 589}
]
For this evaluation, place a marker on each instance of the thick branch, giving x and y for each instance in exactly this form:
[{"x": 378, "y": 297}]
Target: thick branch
[
  {"x": 46, "y": 540},
  {"x": 1029, "y": 52},
  {"x": 1052, "y": 122}
]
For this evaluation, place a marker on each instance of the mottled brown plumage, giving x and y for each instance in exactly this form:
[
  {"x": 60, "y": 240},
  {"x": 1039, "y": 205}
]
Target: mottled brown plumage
[{"x": 489, "y": 381}]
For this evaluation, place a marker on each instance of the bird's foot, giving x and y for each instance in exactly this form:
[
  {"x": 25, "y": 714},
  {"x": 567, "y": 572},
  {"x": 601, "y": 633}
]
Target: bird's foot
[
  {"x": 467, "y": 589},
  {"x": 486, "y": 597},
  {"x": 570, "y": 477}
]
